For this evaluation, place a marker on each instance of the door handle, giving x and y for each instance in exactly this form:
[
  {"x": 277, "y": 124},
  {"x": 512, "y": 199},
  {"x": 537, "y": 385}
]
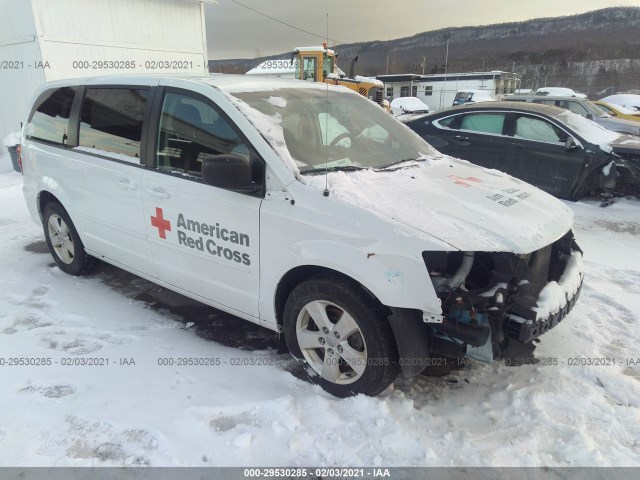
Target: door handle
[
  {"x": 127, "y": 184},
  {"x": 159, "y": 192},
  {"x": 460, "y": 138}
]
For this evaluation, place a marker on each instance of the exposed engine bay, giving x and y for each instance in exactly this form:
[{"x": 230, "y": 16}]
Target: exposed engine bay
[{"x": 492, "y": 298}]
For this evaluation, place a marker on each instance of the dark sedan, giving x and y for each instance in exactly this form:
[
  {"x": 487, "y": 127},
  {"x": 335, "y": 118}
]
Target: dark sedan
[{"x": 558, "y": 151}]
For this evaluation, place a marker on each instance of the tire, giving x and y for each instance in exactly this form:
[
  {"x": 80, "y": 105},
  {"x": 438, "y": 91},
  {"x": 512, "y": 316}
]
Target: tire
[
  {"x": 342, "y": 334},
  {"x": 64, "y": 242}
]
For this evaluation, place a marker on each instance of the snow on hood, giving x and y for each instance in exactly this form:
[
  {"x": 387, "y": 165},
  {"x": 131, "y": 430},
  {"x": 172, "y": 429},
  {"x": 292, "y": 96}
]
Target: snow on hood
[
  {"x": 466, "y": 206},
  {"x": 630, "y": 101},
  {"x": 590, "y": 130}
]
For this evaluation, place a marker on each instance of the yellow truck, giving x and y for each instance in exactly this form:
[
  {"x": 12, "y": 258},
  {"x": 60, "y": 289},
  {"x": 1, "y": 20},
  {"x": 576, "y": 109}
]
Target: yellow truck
[{"x": 318, "y": 64}]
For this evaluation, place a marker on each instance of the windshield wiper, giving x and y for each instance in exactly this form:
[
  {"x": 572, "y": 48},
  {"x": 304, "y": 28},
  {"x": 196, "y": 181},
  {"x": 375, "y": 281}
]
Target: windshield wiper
[
  {"x": 321, "y": 170},
  {"x": 398, "y": 162}
]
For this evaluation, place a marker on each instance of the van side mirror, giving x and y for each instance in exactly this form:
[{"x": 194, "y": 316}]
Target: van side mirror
[
  {"x": 228, "y": 171},
  {"x": 570, "y": 143},
  {"x": 589, "y": 116}
]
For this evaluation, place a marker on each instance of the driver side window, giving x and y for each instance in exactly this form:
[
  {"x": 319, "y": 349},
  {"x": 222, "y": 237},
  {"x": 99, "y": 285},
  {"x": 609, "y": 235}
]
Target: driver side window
[{"x": 192, "y": 129}]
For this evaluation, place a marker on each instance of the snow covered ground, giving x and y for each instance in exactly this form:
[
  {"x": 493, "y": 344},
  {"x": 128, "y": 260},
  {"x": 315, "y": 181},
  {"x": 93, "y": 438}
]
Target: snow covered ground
[{"x": 228, "y": 415}]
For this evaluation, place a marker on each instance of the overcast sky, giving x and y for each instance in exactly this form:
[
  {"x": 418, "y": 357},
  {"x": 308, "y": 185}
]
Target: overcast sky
[{"x": 234, "y": 31}]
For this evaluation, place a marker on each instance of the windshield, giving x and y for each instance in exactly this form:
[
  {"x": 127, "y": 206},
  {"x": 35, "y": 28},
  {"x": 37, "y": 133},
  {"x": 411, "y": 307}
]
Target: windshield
[
  {"x": 590, "y": 131},
  {"x": 597, "y": 112},
  {"x": 333, "y": 129}
]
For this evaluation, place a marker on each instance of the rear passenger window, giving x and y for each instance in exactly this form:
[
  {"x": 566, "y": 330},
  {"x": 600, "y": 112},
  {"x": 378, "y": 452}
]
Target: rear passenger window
[
  {"x": 50, "y": 120},
  {"x": 111, "y": 122},
  {"x": 483, "y": 122},
  {"x": 446, "y": 122},
  {"x": 191, "y": 130}
]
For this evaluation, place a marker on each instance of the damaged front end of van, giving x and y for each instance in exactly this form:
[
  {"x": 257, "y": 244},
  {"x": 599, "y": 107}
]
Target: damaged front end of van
[{"x": 489, "y": 299}]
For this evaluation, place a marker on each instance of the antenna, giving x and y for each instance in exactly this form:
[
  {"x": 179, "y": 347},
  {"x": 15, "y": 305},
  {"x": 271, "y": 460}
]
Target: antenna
[{"x": 326, "y": 123}]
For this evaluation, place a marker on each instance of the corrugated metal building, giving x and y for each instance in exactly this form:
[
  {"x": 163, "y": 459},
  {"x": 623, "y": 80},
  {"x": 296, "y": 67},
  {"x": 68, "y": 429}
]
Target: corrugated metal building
[{"x": 43, "y": 40}]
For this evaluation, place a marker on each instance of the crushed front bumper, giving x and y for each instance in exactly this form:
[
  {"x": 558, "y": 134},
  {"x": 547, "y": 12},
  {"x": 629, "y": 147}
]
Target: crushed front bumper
[{"x": 527, "y": 330}]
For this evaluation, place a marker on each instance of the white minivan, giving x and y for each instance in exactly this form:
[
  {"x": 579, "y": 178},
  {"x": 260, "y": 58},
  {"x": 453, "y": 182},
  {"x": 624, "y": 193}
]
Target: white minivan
[{"x": 304, "y": 208}]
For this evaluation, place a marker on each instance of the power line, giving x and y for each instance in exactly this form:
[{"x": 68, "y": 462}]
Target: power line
[{"x": 336, "y": 42}]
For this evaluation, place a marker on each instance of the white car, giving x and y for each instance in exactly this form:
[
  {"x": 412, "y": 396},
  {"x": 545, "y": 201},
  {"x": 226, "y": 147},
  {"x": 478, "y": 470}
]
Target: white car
[
  {"x": 559, "y": 92},
  {"x": 304, "y": 208},
  {"x": 464, "y": 97},
  {"x": 627, "y": 100},
  {"x": 408, "y": 106}
]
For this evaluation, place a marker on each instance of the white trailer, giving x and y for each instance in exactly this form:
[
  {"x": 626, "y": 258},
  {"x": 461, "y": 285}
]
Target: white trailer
[
  {"x": 43, "y": 40},
  {"x": 439, "y": 90}
]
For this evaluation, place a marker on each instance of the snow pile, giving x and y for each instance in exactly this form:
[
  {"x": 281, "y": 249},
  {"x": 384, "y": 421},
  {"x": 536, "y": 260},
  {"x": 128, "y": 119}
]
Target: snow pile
[
  {"x": 12, "y": 139},
  {"x": 555, "y": 295}
]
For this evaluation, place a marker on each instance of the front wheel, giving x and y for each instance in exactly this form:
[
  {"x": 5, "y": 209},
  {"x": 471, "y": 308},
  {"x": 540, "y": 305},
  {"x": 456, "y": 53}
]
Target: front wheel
[
  {"x": 342, "y": 334},
  {"x": 64, "y": 242}
]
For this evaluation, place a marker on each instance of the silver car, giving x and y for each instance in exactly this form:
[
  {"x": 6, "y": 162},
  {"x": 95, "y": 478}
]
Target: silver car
[{"x": 585, "y": 108}]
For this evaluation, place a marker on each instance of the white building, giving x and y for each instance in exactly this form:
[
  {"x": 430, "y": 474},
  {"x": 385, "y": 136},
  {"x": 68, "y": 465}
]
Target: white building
[
  {"x": 43, "y": 40},
  {"x": 439, "y": 90}
]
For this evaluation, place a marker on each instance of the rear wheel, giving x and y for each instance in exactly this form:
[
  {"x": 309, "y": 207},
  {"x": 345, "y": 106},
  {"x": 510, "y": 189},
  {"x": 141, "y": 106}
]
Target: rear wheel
[
  {"x": 341, "y": 333},
  {"x": 64, "y": 242}
]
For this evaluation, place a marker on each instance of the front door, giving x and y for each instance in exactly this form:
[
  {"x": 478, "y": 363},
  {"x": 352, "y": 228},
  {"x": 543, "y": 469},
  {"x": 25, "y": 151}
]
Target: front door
[
  {"x": 540, "y": 157},
  {"x": 204, "y": 240}
]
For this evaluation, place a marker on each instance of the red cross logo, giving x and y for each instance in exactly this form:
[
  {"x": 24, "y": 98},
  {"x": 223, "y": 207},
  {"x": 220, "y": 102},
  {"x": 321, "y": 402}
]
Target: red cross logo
[
  {"x": 464, "y": 181},
  {"x": 160, "y": 223}
]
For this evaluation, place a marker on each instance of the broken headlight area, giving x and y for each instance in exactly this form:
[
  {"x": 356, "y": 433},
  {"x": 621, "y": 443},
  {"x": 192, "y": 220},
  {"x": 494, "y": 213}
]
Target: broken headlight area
[
  {"x": 492, "y": 298},
  {"x": 628, "y": 168}
]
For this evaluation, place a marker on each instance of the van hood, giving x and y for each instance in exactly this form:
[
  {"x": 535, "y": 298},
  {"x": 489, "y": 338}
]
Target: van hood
[{"x": 466, "y": 206}]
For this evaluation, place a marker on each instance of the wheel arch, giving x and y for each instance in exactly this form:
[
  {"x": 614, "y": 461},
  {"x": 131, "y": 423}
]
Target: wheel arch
[
  {"x": 44, "y": 197},
  {"x": 299, "y": 274},
  {"x": 408, "y": 330}
]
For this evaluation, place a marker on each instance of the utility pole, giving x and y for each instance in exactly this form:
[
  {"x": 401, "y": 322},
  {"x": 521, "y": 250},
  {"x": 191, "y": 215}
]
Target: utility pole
[
  {"x": 424, "y": 63},
  {"x": 446, "y": 64}
]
